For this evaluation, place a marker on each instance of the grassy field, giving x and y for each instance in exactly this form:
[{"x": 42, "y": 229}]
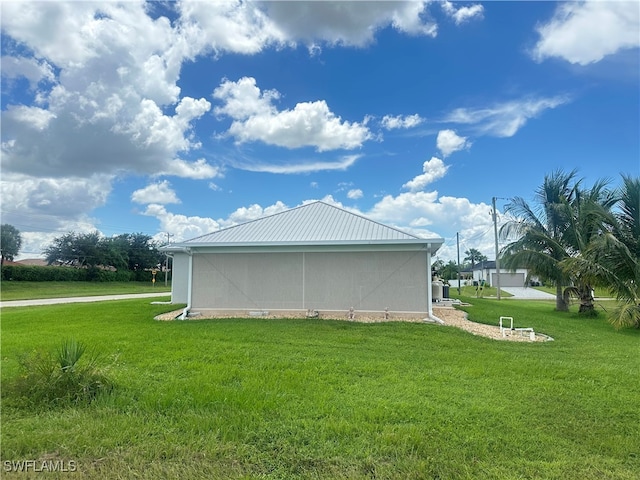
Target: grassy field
[
  {"x": 301, "y": 399},
  {"x": 31, "y": 290}
]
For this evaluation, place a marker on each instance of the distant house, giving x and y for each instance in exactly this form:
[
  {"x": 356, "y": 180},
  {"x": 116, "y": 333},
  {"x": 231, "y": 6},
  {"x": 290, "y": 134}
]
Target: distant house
[
  {"x": 316, "y": 257},
  {"x": 487, "y": 271},
  {"x": 38, "y": 262}
]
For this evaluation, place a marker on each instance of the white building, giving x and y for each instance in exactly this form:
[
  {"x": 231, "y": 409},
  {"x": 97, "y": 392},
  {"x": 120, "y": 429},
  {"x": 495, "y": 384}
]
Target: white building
[
  {"x": 487, "y": 271},
  {"x": 314, "y": 257}
]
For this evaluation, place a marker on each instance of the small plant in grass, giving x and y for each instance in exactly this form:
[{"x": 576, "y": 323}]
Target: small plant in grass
[{"x": 67, "y": 377}]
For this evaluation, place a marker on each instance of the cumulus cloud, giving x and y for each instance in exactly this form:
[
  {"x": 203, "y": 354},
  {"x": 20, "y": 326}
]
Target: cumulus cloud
[
  {"x": 255, "y": 118},
  {"x": 433, "y": 169},
  {"x": 30, "y": 68},
  {"x": 449, "y": 141},
  {"x": 348, "y": 23},
  {"x": 232, "y": 26},
  {"x": 160, "y": 193},
  {"x": 252, "y": 212},
  {"x": 586, "y": 32},
  {"x": 42, "y": 208},
  {"x": 354, "y": 194},
  {"x": 183, "y": 227},
  {"x": 408, "y": 121},
  {"x": 504, "y": 119},
  {"x": 462, "y": 14}
]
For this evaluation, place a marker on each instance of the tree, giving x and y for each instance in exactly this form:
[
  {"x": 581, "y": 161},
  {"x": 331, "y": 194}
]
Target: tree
[
  {"x": 10, "y": 242},
  {"x": 612, "y": 258},
  {"x": 133, "y": 251},
  {"x": 474, "y": 256},
  {"x": 141, "y": 251},
  {"x": 589, "y": 216},
  {"x": 450, "y": 271},
  {"x": 540, "y": 243},
  {"x": 78, "y": 249}
]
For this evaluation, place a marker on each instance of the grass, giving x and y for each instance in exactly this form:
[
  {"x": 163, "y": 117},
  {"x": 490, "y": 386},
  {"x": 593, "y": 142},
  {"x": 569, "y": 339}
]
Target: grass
[
  {"x": 30, "y": 290},
  {"x": 257, "y": 398}
]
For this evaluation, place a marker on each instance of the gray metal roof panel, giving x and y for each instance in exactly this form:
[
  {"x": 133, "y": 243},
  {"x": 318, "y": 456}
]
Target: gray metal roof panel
[{"x": 316, "y": 222}]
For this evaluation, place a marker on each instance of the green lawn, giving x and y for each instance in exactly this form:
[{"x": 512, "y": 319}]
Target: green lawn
[
  {"x": 30, "y": 290},
  {"x": 285, "y": 399}
]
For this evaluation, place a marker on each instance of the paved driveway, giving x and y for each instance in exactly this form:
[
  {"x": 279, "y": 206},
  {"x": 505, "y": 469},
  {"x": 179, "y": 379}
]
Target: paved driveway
[
  {"x": 96, "y": 298},
  {"x": 527, "y": 293}
]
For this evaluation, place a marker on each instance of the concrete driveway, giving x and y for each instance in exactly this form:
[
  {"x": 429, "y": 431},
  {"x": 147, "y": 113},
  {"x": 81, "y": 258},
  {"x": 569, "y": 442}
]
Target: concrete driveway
[
  {"x": 527, "y": 293},
  {"x": 96, "y": 298}
]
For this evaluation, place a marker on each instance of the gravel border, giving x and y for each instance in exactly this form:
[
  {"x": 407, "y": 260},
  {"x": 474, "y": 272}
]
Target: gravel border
[{"x": 451, "y": 317}]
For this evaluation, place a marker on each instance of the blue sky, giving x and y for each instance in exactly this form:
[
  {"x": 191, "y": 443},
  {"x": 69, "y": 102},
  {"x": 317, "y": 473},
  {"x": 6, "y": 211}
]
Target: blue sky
[{"x": 184, "y": 117}]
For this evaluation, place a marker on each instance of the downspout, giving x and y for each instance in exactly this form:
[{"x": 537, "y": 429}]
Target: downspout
[
  {"x": 431, "y": 316},
  {"x": 185, "y": 312}
]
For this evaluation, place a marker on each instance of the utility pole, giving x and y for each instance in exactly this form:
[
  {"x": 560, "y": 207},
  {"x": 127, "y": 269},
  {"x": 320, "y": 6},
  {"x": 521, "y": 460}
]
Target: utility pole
[
  {"x": 458, "y": 244},
  {"x": 166, "y": 259},
  {"x": 495, "y": 233}
]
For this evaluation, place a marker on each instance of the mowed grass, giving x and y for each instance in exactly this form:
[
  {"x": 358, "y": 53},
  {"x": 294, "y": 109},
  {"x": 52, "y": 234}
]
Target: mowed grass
[
  {"x": 256, "y": 398},
  {"x": 29, "y": 290}
]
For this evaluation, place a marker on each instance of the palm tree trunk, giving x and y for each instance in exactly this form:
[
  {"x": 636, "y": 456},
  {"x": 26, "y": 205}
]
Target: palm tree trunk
[{"x": 561, "y": 304}]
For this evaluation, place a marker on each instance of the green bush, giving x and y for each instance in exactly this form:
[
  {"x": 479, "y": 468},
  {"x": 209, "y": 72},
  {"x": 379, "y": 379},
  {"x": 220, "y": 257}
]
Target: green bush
[
  {"x": 30, "y": 273},
  {"x": 61, "y": 379}
]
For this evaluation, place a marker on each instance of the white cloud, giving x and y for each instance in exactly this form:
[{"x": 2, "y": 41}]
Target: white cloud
[
  {"x": 408, "y": 121},
  {"x": 199, "y": 169},
  {"x": 255, "y": 118},
  {"x": 45, "y": 208},
  {"x": 354, "y": 194},
  {"x": 29, "y": 68},
  {"x": 302, "y": 167},
  {"x": 348, "y": 23},
  {"x": 504, "y": 119},
  {"x": 182, "y": 227},
  {"x": 586, "y": 32},
  {"x": 231, "y": 26},
  {"x": 252, "y": 212},
  {"x": 160, "y": 193},
  {"x": 449, "y": 141},
  {"x": 433, "y": 169},
  {"x": 462, "y": 14}
]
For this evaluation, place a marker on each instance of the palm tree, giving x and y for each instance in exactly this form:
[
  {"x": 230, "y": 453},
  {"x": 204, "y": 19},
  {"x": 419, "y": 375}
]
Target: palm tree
[
  {"x": 589, "y": 216},
  {"x": 612, "y": 258},
  {"x": 474, "y": 256},
  {"x": 540, "y": 232}
]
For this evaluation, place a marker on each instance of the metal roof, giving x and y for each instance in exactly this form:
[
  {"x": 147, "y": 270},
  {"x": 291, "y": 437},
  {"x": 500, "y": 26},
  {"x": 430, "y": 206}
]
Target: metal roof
[{"x": 316, "y": 223}]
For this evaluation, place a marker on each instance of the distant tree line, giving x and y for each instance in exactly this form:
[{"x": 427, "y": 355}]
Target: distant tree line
[
  {"x": 129, "y": 251},
  {"x": 130, "y": 256}
]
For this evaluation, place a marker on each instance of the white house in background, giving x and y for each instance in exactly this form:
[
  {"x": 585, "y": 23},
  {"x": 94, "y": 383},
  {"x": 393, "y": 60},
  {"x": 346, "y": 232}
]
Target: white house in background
[
  {"x": 487, "y": 271},
  {"x": 316, "y": 257}
]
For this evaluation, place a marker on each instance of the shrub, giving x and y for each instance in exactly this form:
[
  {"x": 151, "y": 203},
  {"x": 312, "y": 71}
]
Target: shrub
[
  {"x": 67, "y": 377},
  {"x": 30, "y": 273}
]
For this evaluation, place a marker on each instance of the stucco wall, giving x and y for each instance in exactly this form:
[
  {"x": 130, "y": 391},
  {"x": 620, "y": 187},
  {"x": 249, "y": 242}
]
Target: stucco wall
[
  {"x": 179, "y": 277},
  {"x": 372, "y": 280}
]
